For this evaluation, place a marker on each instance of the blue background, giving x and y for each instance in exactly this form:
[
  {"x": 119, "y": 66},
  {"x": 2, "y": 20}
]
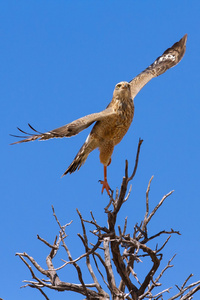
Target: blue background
[{"x": 60, "y": 60}]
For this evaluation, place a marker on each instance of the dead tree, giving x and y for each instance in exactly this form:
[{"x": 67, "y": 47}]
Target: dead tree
[{"x": 115, "y": 251}]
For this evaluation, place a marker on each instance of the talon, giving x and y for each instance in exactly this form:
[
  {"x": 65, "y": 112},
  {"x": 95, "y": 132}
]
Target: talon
[
  {"x": 105, "y": 186},
  {"x": 105, "y": 183}
]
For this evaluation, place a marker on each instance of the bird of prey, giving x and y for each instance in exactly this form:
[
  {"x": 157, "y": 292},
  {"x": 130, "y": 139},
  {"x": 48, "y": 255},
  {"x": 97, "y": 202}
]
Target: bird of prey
[{"x": 113, "y": 122}]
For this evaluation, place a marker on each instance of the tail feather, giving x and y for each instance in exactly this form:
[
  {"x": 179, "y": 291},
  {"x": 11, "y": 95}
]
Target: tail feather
[{"x": 79, "y": 159}]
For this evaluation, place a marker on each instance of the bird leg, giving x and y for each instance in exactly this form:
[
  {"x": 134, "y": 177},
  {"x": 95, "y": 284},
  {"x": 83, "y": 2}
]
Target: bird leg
[{"x": 104, "y": 182}]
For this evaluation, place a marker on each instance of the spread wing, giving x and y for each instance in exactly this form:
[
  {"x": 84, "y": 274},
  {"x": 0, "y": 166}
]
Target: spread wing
[
  {"x": 68, "y": 130},
  {"x": 167, "y": 60}
]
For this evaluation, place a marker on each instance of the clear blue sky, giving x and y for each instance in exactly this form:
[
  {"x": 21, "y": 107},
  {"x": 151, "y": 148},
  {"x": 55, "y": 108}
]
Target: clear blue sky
[{"x": 60, "y": 60}]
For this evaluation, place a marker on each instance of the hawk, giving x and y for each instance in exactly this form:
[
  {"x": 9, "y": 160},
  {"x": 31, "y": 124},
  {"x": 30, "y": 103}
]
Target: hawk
[{"x": 112, "y": 123}]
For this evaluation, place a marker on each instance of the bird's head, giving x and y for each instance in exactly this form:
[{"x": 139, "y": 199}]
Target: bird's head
[{"x": 122, "y": 89}]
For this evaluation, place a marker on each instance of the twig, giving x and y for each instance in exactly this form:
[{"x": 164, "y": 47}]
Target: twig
[
  {"x": 96, "y": 264},
  {"x": 125, "y": 226},
  {"x": 88, "y": 252},
  {"x": 136, "y": 161},
  {"x": 157, "y": 206},
  {"x": 186, "y": 281},
  {"x": 164, "y": 244},
  {"x": 147, "y": 200},
  {"x": 197, "y": 288},
  {"x": 36, "y": 265},
  {"x": 46, "y": 243},
  {"x": 163, "y": 232},
  {"x": 30, "y": 269},
  {"x": 77, "y": 269},
  {"x": 41, "y": 291},
  {"x": 61, "y": 227},
  {"x": 149, "y": 276}
]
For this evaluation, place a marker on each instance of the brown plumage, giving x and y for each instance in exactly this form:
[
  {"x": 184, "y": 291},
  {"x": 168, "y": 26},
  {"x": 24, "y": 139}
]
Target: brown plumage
[{"x": 113, "y": 122}]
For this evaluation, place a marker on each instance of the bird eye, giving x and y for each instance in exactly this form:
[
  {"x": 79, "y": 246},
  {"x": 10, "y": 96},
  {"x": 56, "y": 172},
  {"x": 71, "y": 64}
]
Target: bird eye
[{"x": 118, "y": 86}]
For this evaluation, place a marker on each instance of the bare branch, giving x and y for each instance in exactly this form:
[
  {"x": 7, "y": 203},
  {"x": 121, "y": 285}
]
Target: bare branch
[
  {"x": 164, "y": 244},
  {"x": 96, "y": 264},
  {"x": 190, "y": 293},
  {"x": 147, "y": 199},
  {"x": 157, "y": 206},
  {"x": 161, "y": 293},
  {"x": 30, "y": 269},
  {"x": 136, "y": 161},
  {"x": 77, "y": 268},
  {"x": 196, "y": 286},
  {"x": 87, "y": 249},
  {"x": 41, "y": 291},
  {"x": 125, "y": 225},
  {"x": 109, "y": 270},
  {"x": 163, "y": 232},
  {"x": 156, "y": 263},
  {"x": 31, "y": 259},
  {"x": 61, "y": 227},
  {"x": 46, "y": 243},
  {"x": 91, "y": 251},
  {"x": 187, "y": 279}
]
